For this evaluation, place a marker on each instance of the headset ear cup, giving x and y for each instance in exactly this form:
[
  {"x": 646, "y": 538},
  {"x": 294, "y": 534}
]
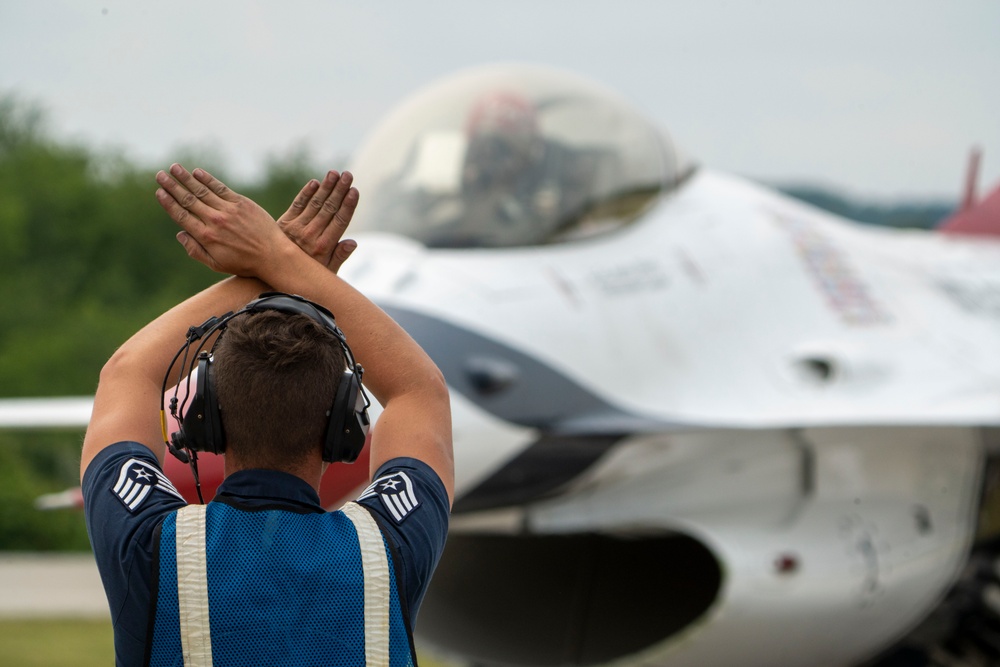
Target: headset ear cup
[
  {"x": 201, "y": 426},
  {"x": 216, "y": 443},
  {"x": 347, "y": 427}
]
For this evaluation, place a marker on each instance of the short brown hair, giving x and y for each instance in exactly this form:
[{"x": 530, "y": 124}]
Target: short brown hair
[{"x": 276, "y": 377}]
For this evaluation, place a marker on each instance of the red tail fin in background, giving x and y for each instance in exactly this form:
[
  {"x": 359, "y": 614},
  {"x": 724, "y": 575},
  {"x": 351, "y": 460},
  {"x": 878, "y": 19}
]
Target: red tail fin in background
[{"x": 975, "y": 217}]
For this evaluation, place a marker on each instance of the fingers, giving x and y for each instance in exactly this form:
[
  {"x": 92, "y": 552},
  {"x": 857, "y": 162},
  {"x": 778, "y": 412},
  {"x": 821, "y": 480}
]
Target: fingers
[
  {"x": 217, "y": 187},
  {"x": 324, "y": 203},
  {"x": 319, "y": 216},
  {"x": 299, "y": 203},
  {"x": 328, "y": 198},
  {"x": 195, "y": 188},
  {"x": 341, "y": 253},
  {"x": 348, "y": 205},
  {"x": 174, "y": 209},
  {"x": 185, "y": 199},
  {"x": 340, "y": 190},
  {"x": 332, "y": 207},
  {"x": 331, "y": 235},
  {"x": 197, "y": 251}
]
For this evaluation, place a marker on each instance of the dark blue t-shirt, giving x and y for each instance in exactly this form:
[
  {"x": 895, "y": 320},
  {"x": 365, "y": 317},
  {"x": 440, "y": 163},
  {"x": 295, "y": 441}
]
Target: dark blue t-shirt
[{"x": 126, "y": 496}]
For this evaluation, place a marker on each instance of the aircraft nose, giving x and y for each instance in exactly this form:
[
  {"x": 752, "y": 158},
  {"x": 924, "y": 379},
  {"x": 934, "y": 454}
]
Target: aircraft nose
[{"x": 514, "y": 385}]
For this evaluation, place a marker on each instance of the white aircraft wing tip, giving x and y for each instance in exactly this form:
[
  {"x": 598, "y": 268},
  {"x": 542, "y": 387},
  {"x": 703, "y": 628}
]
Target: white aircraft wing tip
[{"x": 69, "y": 411}]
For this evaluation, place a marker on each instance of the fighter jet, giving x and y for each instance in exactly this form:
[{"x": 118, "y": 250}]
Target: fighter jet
[{"x": 697, "y": 422}]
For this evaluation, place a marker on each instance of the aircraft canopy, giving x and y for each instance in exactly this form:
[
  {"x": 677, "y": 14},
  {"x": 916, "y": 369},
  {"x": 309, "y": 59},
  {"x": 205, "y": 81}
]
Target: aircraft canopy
[{"x": 511, "y": 156}]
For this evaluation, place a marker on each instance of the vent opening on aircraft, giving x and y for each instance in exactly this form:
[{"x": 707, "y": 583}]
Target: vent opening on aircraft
[
  {"x": 512, "y": 155},
  {"x": 816, "y": 370},
  {"x": 489, "y": 375},
  {"x": 565, "y": 599}
]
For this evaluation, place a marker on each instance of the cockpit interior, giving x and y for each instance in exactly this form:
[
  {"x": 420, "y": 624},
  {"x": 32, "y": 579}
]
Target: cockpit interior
[{"x": 512, "y": 156}]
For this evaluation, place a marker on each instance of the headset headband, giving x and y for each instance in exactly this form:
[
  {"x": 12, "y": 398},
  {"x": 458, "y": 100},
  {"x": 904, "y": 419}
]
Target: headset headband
[{"x": 199, "y": 416}]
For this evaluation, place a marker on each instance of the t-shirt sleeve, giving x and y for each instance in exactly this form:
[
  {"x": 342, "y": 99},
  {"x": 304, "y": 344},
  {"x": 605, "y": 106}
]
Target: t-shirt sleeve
[
  {"x": 125, "y": 497},
  {"x": 413, "y": 504}
]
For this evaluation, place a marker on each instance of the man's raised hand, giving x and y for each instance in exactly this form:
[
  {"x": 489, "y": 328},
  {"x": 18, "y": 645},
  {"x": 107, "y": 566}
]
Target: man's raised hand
[
  {"x": 319, "y": 216},
  {"x": 223, "y": 230}
]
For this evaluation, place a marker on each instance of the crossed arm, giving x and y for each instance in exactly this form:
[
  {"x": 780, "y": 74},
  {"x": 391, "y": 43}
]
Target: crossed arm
[{"x": 300, "y": 255}]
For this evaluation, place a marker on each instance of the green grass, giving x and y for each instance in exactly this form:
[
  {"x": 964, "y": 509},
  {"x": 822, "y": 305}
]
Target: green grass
[
  {"x": 67, "y": 643},
  {"x": 56, "y": 643}
]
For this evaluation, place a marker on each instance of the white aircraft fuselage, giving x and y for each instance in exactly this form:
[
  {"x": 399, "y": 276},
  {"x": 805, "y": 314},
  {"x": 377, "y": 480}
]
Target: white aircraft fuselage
[
  {"x": 733, "y": 429},
  {"x": 799, "y": 395}
]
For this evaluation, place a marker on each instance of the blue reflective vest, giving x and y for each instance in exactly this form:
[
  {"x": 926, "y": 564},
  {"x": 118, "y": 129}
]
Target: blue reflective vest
[{"x": 240, "y": 587}]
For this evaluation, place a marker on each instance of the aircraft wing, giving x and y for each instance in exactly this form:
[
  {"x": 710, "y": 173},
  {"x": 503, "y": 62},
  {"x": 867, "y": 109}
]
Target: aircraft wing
[
  {"x": 57, "y": 412},
  {"x": 64, "y": 412}
]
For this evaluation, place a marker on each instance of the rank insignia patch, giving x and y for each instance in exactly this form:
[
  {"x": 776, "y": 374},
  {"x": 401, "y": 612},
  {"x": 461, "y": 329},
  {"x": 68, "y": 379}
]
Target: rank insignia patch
[
  {"x": 396, "y": 492},
  {"x": 136, "y": 480}
]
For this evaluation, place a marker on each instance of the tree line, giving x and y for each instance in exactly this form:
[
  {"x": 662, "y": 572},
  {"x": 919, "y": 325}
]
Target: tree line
[{"x": 87, "y": 257}]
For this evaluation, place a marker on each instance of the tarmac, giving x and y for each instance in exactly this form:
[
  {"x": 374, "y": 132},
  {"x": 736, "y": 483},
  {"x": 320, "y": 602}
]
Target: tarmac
[{"x": 34, "y": 585}]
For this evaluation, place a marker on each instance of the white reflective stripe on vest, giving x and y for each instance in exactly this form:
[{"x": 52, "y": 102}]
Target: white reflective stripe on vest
[
  {"x": 376, "y": 573},
  {"x": 192, "y": 587}
]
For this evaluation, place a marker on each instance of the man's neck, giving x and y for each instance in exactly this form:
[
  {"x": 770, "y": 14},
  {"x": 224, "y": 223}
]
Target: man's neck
[{"x": 308, "y": 471}]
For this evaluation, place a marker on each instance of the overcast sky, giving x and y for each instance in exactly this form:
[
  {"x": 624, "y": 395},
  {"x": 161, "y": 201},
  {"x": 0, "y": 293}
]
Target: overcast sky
[{"x": 882, "y": 98}]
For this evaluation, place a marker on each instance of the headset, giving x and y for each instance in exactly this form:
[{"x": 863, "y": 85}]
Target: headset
[{"x": 199, "y": 416}]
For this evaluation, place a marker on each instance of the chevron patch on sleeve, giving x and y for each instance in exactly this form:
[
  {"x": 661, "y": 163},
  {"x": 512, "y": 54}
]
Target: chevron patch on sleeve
[
  {"x": 397, "y": 494},
  {"x": 137, "y": 479}
]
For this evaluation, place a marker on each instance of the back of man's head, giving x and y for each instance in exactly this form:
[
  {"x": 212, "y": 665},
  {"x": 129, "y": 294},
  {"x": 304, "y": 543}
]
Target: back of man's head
[{"x": 276, "y": 377}]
